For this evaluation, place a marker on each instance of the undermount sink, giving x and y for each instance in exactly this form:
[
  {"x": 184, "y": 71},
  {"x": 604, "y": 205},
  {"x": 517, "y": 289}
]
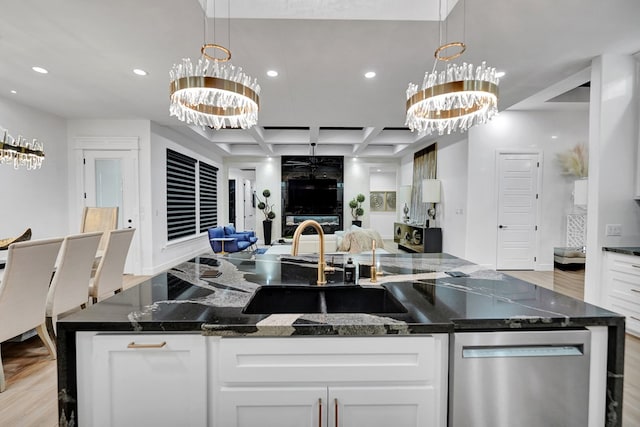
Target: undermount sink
[{"x": 322, "y": 299}]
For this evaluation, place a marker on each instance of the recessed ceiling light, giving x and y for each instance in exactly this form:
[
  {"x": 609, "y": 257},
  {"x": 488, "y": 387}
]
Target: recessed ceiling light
[
  {"x": 370, "y": 74},
  {"x": 500, "y": 74},
  {"x": 554, "y": 136},
  {"x": 272, "y": 73},
  {"x": 14, "y": 92},
  {"x": 39, "y": 70},
  {"x": 139, "y": 72}
]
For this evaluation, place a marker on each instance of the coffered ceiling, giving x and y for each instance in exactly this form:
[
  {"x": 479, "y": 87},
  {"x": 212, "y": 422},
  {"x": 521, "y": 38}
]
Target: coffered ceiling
[{"x": 320, "y": 49}]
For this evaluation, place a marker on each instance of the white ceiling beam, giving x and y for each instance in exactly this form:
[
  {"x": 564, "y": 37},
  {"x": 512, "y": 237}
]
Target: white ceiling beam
[
  {"x": 400, "y": 147},
  {"x": 257, "y": 132},
  {"x": 368, "y": 135},
  {"x": 221, "y": 148}
]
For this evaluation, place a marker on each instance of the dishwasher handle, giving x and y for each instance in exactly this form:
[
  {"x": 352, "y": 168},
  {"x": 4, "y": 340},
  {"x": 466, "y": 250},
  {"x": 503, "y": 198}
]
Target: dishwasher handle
[{"x": 474, "y": 352}]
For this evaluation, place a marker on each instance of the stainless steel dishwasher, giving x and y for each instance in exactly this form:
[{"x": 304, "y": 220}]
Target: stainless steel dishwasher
[{"x": 523, "y": 379}]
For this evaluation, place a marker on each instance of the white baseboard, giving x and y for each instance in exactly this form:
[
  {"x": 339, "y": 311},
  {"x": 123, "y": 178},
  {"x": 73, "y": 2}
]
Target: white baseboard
[
  {"x": 544, "y": 267},
  {"x": 169, "y": 264}
]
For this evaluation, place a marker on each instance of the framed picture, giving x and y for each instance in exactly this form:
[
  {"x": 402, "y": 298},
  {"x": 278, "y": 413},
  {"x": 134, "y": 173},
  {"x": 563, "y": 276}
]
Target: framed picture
[
  {"x": 390, "y": 201},
  {"x": 377, "y": 201}
]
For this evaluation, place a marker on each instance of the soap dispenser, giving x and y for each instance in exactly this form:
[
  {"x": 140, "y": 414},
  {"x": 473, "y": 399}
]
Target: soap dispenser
[{"x": 349, "y": 272}]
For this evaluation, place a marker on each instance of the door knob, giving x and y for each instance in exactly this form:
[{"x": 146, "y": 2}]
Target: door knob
[{"x": 502, "y": 226}]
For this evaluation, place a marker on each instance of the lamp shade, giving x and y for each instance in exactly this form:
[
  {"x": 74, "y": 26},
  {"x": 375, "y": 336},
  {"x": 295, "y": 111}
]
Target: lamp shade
[{"x": 430, "y": 191}]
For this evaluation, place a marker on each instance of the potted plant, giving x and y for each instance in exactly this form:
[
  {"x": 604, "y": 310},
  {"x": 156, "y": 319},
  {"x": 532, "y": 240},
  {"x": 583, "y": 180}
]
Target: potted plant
[
  {"x": 269, "y": 215},
  {"x": 356, "y": 209}
]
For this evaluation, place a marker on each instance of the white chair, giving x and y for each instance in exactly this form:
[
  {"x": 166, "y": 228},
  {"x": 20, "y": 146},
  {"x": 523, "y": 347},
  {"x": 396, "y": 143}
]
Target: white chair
[
  {"x": 99, "y": 219},
  {"x": 70, "y": 282},
  {"x": 108, "y": 277},
  {"x": 23, "y": 291}
]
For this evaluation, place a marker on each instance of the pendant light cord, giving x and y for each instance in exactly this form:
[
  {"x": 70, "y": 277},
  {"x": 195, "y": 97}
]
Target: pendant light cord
[{"x": 435, "y": 61}]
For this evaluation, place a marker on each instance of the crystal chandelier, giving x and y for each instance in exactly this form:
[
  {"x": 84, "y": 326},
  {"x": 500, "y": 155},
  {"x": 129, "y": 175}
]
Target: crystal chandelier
[
  {"x": 213, "y": 92},
  {"x": 20, "y": 152},
  {"x": 453, "y": 99}
]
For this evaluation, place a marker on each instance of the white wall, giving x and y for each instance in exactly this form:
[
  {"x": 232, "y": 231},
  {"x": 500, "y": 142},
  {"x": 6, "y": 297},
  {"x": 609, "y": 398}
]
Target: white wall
[
  {"x": 37, "y": 199},
  {"x": 520, "y": 131},
  {"x": 451, "y": 213},
  {"x": 382, "y": 221},
  {"x": 269, "y": 177},
  {"x": 613, "y": 142},
  {"x": 356, "y": 181}
]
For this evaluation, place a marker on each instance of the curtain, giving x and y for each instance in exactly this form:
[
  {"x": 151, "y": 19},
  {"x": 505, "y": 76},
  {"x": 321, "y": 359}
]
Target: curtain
[{"x": 424, "y": 167}]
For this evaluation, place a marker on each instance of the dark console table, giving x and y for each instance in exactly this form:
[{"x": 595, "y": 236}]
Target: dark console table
[{"x": 417, "y": 238}]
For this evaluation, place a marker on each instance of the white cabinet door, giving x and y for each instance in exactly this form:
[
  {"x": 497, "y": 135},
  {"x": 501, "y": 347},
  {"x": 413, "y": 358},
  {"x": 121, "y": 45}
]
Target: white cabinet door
[
  {"x": 329, "y": 381},
  {"x": 273, "y": 407},
  {"x": 401, "y": 406},
  {"x": 148, "y": 380}
]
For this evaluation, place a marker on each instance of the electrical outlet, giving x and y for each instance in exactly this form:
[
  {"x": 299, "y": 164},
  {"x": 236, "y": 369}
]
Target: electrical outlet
[{"x": 614, "y": 230}]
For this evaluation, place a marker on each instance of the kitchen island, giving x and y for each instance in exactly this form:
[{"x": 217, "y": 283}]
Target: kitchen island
[{"x": 277, "y": 362}]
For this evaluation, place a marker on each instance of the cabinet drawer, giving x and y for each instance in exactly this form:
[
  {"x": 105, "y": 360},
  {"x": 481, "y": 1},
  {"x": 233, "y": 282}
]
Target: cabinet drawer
[
  {"x": 628, "y": 264},
  {"x": 330, "y": 359},
  {"x": 625, "y": 286}
]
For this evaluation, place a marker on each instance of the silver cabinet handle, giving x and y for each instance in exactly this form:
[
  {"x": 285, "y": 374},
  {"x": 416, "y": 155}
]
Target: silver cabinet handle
[{"x": 132, "y": 344}]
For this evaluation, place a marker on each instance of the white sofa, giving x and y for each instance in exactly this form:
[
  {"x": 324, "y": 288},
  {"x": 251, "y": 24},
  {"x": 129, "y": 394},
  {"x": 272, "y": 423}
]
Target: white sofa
[
  {"x": 353, "y": 240},
  {"x": 308, "y": 243}
]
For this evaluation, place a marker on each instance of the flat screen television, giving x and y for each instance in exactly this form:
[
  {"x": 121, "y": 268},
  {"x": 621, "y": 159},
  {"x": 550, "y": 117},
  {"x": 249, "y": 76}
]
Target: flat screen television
[{"x": 312, "y": 196}]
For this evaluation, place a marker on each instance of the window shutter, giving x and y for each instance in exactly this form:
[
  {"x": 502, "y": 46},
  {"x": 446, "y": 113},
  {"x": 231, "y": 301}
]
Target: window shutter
[
  {"x": 181, "y": 195},
  {"x": 208, "y": 196}
]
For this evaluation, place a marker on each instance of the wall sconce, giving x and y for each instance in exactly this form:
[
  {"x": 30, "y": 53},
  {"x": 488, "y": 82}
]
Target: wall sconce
[{"x": 431, "y": 194}]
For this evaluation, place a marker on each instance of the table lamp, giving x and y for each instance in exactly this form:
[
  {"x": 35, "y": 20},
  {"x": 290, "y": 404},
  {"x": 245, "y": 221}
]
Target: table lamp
[{"x": 431, "y": 194}]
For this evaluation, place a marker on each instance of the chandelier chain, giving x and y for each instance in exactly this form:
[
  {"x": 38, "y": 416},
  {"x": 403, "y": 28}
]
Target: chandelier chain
[
  {"x": 456, "y": 98},
  {"x": 212, "y": 92}
]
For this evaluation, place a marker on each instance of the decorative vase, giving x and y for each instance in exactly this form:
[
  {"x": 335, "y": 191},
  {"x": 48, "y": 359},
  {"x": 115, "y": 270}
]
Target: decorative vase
[{"x": 266, "y": 228}]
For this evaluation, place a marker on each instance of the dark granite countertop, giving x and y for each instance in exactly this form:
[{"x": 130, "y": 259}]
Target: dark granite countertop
[
  {"x": 627, "y": 250},
  {"x": 193, "y": 298},
  {"x": 185, "y": 299}
]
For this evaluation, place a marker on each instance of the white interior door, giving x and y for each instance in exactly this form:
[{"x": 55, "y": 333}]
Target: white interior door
[
  {"x": 111, "y": 179},
  {"x": 517, "y": 211}
]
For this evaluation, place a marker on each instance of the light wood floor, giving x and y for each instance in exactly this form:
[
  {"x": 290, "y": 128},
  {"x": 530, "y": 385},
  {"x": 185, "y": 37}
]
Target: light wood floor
[{"x": 31, "y": 395}]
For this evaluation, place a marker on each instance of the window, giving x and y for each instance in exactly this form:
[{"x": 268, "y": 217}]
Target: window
[
  {"x": 208, "y": 196},
  {"x": 192, "y": 196}
]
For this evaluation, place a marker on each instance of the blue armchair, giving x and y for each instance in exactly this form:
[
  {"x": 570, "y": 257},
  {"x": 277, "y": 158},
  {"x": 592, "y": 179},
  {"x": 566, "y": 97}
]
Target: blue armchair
[
  {"x": 239, "y": 242},
  {"x": 230, "y": 231}
]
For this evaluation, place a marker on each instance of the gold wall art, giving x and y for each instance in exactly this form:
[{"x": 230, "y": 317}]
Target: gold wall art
[{"x": 381, "y": 201}]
